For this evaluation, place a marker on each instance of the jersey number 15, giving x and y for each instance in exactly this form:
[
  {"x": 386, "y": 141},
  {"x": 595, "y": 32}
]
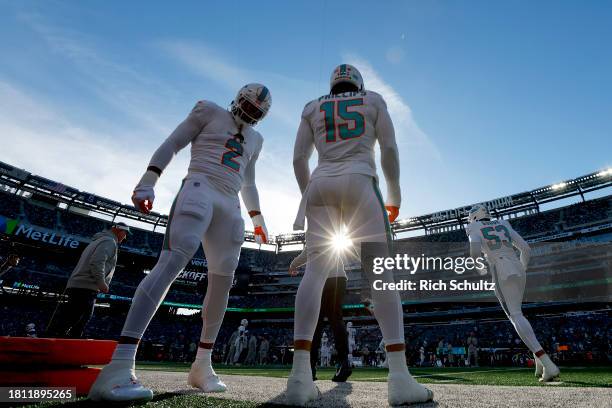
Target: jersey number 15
[{"x": 334, "y": 110}]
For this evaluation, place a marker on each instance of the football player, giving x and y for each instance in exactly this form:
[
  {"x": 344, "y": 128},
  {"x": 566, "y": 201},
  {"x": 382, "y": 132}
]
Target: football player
[
  {"x": 332, "y": 296},
  {"x": 351, "y": 331},
  {"x": 240, "y": 341},
  {"x": 498, "y": 240},
  {"x": 224, "y": 150},
  {"x": 325, "y": 351},
  {"x": 343, "y": 192}
]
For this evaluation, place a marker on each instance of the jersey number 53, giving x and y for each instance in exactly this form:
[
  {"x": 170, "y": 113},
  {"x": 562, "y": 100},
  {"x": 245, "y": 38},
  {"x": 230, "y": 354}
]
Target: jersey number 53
[
  {"x": 334, "y": 110},
  {"x": 494, "y": 241}
]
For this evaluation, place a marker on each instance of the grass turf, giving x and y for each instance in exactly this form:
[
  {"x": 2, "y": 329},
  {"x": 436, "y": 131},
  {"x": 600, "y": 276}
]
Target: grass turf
[
  {"x": 512, "y": 376},
  {"x": 570, "y": 377}
]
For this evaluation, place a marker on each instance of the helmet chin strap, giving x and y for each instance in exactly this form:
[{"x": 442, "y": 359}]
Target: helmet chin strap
[{"x": 239, "y": 122}]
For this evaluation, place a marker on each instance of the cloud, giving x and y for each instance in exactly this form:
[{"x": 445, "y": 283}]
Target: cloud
[
  {"x": 41, "y": 140},
  {"x": 407, "y": 130},
  {"x": 126, "y": 90}
]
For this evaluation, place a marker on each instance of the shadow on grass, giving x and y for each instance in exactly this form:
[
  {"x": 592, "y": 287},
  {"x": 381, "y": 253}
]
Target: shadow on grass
[{"x": 434, "y": 378}]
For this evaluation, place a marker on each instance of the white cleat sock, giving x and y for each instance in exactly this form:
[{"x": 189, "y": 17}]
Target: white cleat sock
[
  {"x": 402, "y": 387},
  {"x": 117, "y": 382},
  {"x": 539, "y": 368},
  {"x": 202, "y": 375},
  {"x": 300, "y": 387},
  {"x": 550, "y": 369}
]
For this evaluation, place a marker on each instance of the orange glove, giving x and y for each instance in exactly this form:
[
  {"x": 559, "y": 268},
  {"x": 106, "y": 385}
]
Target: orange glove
[
  {"x": 261, "y": 234},
  {"x": 259, "y": 226},
  {"x": 393, "y": 212},
  {"x": 143, "y": 195},
  {"x": 145, "y": 205}
]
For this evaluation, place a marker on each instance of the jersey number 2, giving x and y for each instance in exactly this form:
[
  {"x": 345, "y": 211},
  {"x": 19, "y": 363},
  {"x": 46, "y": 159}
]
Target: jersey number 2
[
  {"x": 340, "y": 109},
  {"x": 235, "y": 149}
]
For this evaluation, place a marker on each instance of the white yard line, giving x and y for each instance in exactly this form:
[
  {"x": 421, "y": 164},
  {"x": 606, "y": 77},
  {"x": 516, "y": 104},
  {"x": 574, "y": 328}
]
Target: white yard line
[{"x": 472, "y": 372}]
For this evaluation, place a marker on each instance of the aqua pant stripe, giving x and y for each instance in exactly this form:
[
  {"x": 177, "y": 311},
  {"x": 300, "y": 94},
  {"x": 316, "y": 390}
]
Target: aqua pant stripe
[
  {"x": 166, "y": 245},
  {"x": 384, "y": 211}
]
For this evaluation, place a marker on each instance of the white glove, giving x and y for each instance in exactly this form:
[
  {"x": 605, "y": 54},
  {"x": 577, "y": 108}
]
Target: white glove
[
  {"x": 483, "y": 271},
  {"x": 260, "y": 230},
  {"x": 144, "y": 195}
]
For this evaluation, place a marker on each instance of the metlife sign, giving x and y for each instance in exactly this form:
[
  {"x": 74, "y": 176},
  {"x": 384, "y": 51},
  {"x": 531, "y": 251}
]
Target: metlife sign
[{"x": 13, "y": 227}]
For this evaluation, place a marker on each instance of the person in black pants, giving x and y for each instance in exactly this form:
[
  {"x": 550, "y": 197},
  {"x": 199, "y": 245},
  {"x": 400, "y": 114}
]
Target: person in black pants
[
  {"x": 331, "y": 307},
  {"x": 73, "y": 315},
  {"x": 92, "y": 274}
]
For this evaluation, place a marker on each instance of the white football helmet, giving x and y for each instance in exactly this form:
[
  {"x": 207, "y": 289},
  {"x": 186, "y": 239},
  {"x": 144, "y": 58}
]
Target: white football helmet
[
  {"x": 251, "y": 104},
  {"x": 346, "y": 73},
  {"x": 478, "y": 212},
  {"x": 244, "y": 322},
  {"x": 349, "y": 325}
]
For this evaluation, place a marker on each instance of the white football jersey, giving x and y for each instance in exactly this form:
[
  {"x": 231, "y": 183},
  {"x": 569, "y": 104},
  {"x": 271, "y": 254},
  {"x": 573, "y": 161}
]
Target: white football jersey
[
  {"x": 497, "y": 239},
  {"x": 217, "y": 152},
  {"x": 344, "y": 130}
]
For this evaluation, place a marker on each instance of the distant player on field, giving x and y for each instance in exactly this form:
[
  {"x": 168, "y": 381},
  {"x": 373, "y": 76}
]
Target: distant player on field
[
  {"x": 351, "y": 332},
  {"x": 498, "y": 240},
  {"x": 343, "y": 191},
  {"x": 224, "y": 150}
]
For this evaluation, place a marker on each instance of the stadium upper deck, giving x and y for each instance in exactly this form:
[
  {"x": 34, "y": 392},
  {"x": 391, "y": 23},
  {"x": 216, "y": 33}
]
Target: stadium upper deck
[{"x": 101, "y": 211}]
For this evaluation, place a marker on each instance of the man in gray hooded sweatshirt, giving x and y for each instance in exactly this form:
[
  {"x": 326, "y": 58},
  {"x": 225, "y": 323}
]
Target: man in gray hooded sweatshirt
[{"x": 92, "y": 274}]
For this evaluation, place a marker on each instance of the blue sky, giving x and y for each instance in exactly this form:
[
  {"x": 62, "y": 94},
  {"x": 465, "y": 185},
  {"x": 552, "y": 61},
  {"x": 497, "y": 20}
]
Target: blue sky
[{"x": 487, "y": 99}]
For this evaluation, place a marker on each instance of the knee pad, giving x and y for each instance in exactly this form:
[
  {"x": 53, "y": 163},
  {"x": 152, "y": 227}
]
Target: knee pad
[
  {"x": 185, "y": 244},
  {"x": 225, "y": 266}
]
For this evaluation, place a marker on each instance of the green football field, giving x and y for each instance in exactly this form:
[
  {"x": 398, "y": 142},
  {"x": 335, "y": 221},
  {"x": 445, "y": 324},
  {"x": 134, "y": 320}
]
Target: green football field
[
  {"x": 477, "y": 377},
  {"x": 571, "y": 376}
]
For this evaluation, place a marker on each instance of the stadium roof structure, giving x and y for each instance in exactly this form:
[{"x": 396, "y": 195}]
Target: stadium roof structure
[{"x": 18, "y": 181}]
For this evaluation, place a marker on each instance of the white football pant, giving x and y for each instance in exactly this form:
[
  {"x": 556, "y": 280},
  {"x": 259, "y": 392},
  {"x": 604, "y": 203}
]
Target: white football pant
[
  {"x": 509, "y": 277},
  {"x": 352, "y": 200},
  {"x": 200, "y": 213}
]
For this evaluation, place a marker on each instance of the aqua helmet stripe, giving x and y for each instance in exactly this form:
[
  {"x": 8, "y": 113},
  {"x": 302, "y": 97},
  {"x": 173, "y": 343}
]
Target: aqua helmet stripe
[{"x": 263, "y": 94}]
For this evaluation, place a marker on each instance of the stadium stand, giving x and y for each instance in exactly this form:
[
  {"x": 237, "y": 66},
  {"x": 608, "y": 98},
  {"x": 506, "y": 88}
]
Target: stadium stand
[{"x": 264, "y": 292}]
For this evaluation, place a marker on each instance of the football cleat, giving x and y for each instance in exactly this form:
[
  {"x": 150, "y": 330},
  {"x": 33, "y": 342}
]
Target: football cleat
[
  {"x": 343, "y": 372},
  {"x": 205, "y": 379},
  {"x": 403, "y": 390},
  {"x": 301, "y": 388},
  {"x": 206, "y": 383},
  {"x": 550, "y": 373},
  {"x": 119, "y": 384}
]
